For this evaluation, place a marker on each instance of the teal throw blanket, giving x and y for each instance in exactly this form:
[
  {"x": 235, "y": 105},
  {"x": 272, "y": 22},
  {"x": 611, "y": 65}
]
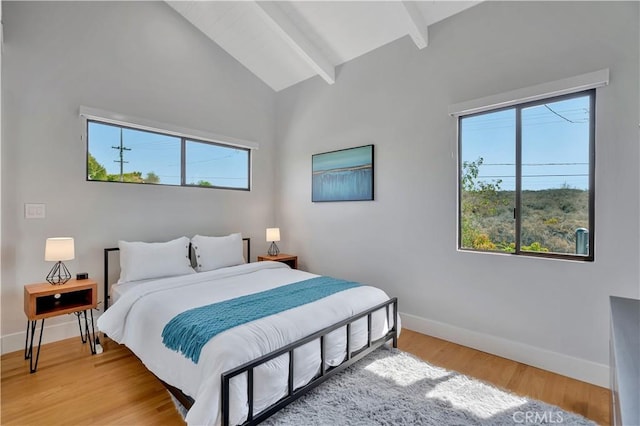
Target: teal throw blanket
[{"x": 189, "y": 331}]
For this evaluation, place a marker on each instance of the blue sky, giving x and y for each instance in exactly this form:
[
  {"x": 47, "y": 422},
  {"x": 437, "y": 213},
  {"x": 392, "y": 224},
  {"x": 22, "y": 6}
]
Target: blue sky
[
  {"x": 555, "y": 145},
  {"x": 160, "y": 154}
]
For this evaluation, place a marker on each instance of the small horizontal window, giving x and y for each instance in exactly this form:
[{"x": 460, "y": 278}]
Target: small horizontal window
[{"x": 118, "y": 153}]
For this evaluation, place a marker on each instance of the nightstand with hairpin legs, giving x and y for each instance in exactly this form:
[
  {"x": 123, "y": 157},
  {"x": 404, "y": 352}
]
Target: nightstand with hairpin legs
[{"x": 44, "y": 300}]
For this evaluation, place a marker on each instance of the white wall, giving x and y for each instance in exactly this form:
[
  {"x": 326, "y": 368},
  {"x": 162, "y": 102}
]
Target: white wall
[
  {"x": 137, "y": 58},
  {"x": 549, "y": 313}
]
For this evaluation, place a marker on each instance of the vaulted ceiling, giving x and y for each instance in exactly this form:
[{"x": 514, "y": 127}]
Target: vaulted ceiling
[{"x": 286, "y": 42}]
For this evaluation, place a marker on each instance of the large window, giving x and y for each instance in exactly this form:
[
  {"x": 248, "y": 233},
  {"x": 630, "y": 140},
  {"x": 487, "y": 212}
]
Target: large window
[
  {"x": 526, "y": 176},
  {"x": 122, "y": 154}
]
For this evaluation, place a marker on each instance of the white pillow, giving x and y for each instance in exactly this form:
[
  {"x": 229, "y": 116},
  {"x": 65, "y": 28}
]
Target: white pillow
[
  {"x": 217, "y": 252},
  {"x": 141, "y": 261}
]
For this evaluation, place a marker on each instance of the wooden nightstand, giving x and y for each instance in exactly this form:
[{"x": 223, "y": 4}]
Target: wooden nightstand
[
  {"x": 44, "y": 300},
  {"x": 289, "y": 259}
]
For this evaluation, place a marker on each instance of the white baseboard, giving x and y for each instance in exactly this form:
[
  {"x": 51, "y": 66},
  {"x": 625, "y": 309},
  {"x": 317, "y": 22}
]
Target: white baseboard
[
  {"x": 576, "y": 368},
  {"x": 52, "y": 333}
]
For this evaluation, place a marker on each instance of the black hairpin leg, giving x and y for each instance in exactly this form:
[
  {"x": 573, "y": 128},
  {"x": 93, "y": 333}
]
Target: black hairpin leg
[
  {"x": 82, "y": 335},
  {"x": 26, "y": 342},
  {"x": 28, "y": 352},
  {"x": 85, "y": 335}
]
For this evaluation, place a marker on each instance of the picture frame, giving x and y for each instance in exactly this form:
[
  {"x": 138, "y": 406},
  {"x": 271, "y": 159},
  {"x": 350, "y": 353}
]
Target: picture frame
[{"x": 343, "y": 175}]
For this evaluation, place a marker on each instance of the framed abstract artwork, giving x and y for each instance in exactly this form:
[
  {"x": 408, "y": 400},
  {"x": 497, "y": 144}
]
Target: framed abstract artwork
[{"x": 344, "y": 175}]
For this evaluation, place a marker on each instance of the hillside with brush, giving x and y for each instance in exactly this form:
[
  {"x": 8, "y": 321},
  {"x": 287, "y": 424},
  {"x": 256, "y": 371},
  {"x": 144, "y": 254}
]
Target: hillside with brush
[{"x": 550, "y": 219}]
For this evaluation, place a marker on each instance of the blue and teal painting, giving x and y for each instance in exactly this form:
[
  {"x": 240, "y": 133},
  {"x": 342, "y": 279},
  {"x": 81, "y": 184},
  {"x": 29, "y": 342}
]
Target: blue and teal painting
[{"x": 345, "y": 175}]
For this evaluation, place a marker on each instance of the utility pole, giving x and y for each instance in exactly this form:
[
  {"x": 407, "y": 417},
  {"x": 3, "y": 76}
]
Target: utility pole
[{"x": 121, "y": 148}]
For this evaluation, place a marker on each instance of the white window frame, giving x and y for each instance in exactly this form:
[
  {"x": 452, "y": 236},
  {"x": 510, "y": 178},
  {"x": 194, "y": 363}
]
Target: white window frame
[{"x": 579, "y": 83}]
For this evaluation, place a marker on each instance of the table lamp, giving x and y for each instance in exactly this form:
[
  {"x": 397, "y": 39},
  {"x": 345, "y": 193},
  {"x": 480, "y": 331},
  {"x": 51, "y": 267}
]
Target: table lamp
[
  {"x": 56, "y": 250},
  {"x": 273, "y": 235}
]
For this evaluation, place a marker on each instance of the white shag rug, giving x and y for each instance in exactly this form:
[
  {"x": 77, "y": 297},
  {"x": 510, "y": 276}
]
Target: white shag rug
[{"x": 392, "y": 387}]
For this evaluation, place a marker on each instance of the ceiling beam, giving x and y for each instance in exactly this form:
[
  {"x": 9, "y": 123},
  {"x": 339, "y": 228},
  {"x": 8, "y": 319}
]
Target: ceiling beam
[
  {"x": 288, "y": 31},
  {"x": 418, "y": 29}
]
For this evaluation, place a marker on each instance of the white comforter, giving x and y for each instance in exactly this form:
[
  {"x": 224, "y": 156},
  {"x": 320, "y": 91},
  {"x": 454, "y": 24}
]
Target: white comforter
[{"x": 139, "y": 316}]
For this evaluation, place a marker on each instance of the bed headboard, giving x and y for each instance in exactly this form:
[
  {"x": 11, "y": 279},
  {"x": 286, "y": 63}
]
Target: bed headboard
[{"x": 246, "y": 247}]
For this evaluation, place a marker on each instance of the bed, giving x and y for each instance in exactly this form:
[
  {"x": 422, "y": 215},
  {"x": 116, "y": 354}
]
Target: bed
[{"x": 245, "y": 373}]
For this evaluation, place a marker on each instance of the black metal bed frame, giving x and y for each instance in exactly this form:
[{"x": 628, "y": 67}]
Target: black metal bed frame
[{"x": 292, "y": 394}]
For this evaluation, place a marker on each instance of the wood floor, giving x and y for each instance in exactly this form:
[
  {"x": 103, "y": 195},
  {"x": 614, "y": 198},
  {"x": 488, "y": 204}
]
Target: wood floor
[
  {"x": 114, "y": 388},
  {"x": 572, "y": 395}
]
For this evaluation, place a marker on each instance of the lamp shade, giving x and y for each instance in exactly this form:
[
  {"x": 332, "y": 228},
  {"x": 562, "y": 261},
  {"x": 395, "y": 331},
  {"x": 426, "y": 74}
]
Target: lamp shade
[
  {"x": 59, "y": 249},
  {"x": 273, "y": 234}
]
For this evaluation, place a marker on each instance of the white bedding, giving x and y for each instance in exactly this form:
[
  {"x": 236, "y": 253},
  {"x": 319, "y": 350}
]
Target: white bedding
[
  {"x": 141, "y": 312},
  {"x": 117, "y": 290}
]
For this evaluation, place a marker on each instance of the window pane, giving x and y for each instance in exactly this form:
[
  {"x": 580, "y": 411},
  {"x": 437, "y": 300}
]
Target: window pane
[
  {"x": 555, "y": 176},
  {"x": 208, "y": 164},
  {"x": 487, "y": 181},
  {"x": 127, "y": 155}
]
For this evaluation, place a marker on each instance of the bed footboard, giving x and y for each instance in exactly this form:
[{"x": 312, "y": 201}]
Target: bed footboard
[{"x": 350, "y": 358}]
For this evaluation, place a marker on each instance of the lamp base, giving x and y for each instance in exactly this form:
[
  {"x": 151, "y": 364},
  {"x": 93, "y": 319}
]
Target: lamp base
[
  {"x": 273, "y": 249},
  {"x": 59, "y": 274}
]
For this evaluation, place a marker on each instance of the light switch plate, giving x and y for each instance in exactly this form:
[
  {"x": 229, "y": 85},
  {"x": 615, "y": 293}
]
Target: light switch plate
[{"x": 34, "y": 211}]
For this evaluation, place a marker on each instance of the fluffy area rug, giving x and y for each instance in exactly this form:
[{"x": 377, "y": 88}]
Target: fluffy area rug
[{"x": 392, "y": 387}]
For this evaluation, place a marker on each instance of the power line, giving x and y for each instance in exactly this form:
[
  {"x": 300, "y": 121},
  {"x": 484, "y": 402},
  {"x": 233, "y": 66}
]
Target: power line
[
  {"x": 121, "y": 148},
  {"x": 511, "y": 176},
  {"x": 209, "y": 159},
  {"x": 562, "y": 116},
  {"x": 530, "y": 119},
  {"x": 535, "y": 164}
]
